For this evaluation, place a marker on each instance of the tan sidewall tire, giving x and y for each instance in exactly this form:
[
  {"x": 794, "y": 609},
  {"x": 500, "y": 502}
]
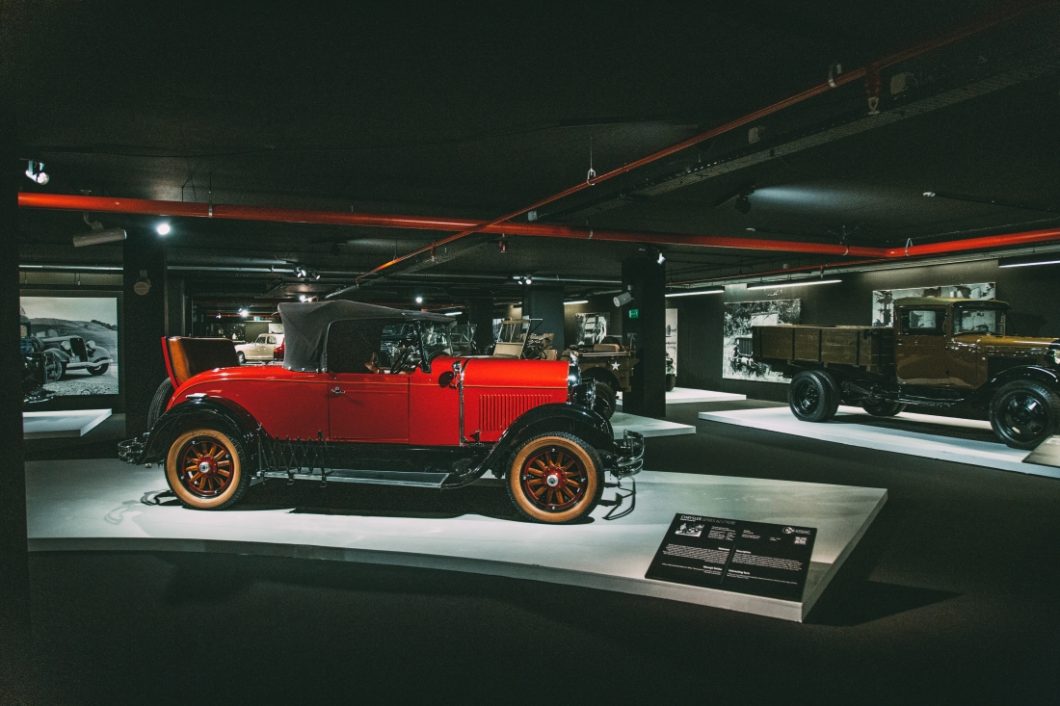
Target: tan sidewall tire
[
  {"x": 594, "y": 484},
  {"x": 235, "y": 486}
]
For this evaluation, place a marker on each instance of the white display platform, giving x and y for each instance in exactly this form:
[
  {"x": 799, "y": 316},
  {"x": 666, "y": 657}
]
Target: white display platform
[
  {"x": 648, "y": 426},
  {"x": 96, "y": 505},
  {"x": 62, "y": 423},
  {"x": 854, "y": 427},
  {"x": 684, "y": 395}
]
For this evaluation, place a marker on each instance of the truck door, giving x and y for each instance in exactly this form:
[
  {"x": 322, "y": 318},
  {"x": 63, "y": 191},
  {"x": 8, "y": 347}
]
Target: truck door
[{"x": 920, "y": 346}]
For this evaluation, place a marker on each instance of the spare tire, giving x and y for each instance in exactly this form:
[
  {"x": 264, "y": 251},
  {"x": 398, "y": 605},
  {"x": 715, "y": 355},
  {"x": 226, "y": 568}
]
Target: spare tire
[{"x": 159, "y": 402}]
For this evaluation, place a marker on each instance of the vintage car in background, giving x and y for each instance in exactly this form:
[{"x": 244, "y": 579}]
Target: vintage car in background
[
  {"x": 610, "y": 363},
  {"x": 950, "y": 354},
  {"x": 260, "y": 350},
  {"x": 369, "y": 394},
  {"x": 66, "y": 353}
]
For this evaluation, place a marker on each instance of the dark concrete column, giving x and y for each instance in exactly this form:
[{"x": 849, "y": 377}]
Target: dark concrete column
[
  {"x": 479, "y": 312},
  {"x": 14, "y": 557},
  {"x": 143, "y": 325},
  {"x": 645, "y": 317},
  {"x": 546, "y": 303}
]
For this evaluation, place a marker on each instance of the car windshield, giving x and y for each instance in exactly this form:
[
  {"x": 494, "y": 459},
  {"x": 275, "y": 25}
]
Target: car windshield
[{"x": 969, "y": 320}]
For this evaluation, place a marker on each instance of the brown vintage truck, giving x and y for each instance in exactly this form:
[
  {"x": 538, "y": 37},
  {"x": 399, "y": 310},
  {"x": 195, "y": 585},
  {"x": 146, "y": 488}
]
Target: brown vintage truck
[{"x": 943, "y": 353}]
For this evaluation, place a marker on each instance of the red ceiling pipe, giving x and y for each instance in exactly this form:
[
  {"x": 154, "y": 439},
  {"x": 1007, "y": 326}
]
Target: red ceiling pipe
[
  {"x": 149, "y": 207},
  {"x": 986, "y": 242},
  {"x": 960, "y": 33}
]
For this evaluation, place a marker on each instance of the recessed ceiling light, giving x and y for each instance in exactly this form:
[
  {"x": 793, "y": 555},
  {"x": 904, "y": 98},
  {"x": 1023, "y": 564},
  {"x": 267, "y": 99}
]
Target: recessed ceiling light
[
  {"x": 419, "y": 299},
  {"x": 805, "y": 283},
  {"x": 163, "y": 228}
]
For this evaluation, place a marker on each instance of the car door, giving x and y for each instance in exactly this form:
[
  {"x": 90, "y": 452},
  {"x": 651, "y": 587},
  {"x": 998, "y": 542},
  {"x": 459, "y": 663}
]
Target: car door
[{"x": 364, "y": 406}]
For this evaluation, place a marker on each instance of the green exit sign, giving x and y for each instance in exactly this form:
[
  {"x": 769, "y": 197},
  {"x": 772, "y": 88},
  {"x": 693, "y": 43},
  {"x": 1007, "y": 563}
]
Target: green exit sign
[{"x": 634, "y": 313}]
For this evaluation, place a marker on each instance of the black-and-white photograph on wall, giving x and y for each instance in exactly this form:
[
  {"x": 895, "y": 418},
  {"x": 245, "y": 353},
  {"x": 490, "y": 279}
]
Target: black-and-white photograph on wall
[
  {"x": 671, "y": 348},
  {"x": 736, "y": 360},
  {"x": 883, "y": 299},
  {"x": 592, "y": 327},
  {"x": 77, "y": 339}
]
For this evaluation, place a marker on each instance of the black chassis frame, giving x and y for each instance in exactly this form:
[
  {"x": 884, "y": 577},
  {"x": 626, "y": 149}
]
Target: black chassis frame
[{"x": 465, "y": 463}]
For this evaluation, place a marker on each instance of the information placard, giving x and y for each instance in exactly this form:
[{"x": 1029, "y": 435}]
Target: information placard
[{"x": 735, "y": 555}]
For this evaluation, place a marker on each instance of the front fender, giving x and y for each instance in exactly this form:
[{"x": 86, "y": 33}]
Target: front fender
[
  {"x": 583, "y": 423},
  {"x": 213, "y": 412},
  {"x": 1038, "y": 373}
]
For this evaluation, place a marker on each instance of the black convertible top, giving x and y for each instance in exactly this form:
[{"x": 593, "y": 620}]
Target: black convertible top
[{"x": 306, "y": 325}]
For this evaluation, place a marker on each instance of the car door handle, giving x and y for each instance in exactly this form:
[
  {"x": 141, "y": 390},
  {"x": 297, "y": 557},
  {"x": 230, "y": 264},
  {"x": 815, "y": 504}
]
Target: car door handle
[{"x": 337, "y": 390}]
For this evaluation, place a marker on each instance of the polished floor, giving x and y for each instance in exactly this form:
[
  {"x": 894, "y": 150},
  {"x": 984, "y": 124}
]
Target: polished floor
[{"x": 951, "y": 597}]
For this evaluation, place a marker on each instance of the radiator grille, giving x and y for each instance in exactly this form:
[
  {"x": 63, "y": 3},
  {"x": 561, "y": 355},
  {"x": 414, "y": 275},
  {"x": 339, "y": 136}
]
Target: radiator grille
[{"x": 496, "y": 412}]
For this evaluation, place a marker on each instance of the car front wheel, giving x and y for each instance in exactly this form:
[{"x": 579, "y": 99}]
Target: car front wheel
[
  {"x": 555, "y": 478},
  {"x": 206, "y": 469},
  {"x": 99, "y": 369}
]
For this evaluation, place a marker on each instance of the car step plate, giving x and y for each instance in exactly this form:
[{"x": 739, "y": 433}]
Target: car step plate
[{"x": 419, "y": 479}]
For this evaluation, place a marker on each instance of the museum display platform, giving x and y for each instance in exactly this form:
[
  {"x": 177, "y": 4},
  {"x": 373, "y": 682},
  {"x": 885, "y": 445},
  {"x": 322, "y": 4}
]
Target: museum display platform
[
  {"x": 968, "y": 441},
  {"x": 647, "y": 426},
  {"x": 62, "y": 423},
  {"x": 685, "y": 395},
  {"x": 103, "y": 504}
]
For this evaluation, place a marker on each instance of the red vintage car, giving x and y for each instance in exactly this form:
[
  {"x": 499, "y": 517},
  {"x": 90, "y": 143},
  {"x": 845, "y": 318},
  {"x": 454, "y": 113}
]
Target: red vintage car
[{"x": 371, "y": 394}]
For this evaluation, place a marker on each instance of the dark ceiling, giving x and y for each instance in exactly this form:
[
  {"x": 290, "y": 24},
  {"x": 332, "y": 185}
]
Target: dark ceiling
[{"x": 472, "y": 113}]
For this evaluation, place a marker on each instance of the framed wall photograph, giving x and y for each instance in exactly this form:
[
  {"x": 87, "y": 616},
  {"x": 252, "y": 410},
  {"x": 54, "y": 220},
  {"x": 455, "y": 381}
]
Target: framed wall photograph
[
  {"x": 736, "y": 361},
  {"x": 77, "y": 336},
  {"x": 883, "y": 299}
]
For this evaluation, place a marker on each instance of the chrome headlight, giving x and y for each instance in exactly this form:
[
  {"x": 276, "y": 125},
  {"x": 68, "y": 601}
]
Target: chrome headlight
[{"x": 65, "y": 345}]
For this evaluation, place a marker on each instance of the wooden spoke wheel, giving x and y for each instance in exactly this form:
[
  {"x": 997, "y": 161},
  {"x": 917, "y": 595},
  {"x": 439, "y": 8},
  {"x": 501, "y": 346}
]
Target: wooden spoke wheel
[
  {"x": 205, "y": 469},
  {"x": 555, "y": 478}
]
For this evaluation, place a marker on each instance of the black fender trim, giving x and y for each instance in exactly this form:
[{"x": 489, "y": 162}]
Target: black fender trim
[
  {"x": 215, "y": 412},
  {"x": 1038, "y": 373},
  {"x": 583, "y": 423}
]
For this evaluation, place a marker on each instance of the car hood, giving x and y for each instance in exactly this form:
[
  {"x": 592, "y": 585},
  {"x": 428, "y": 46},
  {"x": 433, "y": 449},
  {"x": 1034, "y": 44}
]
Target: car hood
[{"x": 508, "y": 372}]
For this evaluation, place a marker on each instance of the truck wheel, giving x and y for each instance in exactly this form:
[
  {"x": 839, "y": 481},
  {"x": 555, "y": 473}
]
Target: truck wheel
[
  {"x": 555, "y": 478},
  {"x": 605, "y": 400},
  {"x": 158, "y": 402},
  {"x": 813, "y": 396},
  {"x": 1024, "y": 413},
  {"x": 205, "y": 469},
  {"x": 882, "y": 408}
]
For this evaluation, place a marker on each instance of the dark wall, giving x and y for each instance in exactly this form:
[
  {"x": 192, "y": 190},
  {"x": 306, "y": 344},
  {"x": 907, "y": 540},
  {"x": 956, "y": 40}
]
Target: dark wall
[{"x": 1033, "y": 293}]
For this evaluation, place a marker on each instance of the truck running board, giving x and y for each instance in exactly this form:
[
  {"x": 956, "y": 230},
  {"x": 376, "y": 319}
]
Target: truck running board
[{"x": 419, "y": 479}]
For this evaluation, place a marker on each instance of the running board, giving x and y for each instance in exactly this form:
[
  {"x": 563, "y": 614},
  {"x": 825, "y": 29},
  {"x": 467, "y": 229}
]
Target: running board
[{"x": 418, "y": 479}]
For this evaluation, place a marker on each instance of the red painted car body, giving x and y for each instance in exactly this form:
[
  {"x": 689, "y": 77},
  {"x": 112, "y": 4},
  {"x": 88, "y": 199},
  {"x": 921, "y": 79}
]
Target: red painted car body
[{"x": 374, "y": 395}]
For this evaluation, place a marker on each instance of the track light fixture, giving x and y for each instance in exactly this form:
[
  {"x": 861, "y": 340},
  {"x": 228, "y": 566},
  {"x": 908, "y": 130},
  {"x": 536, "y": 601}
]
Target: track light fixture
[
  {"x": 163, "y": 228},
  {"x": 623, "y": 298},
  {"x": 35, "y": 172}
]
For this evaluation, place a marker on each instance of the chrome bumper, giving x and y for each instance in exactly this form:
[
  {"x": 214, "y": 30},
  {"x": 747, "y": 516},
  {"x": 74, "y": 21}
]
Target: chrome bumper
[{"x": 629, "y": 459}]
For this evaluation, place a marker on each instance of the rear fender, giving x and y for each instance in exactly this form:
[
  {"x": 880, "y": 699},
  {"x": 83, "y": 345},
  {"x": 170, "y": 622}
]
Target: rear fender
[
  {"x": 213, "y": 412},
  {"x": 583, "y": 423}
]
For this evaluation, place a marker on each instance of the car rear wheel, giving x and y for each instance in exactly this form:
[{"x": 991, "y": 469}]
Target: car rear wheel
[
  {"x": 1024, "y": 413},
  {"x": 882, "y": 408},
  {"x": 206, "y": 469},
  {"x": 99, "y": 369},
  {"x": 813, "y": 396},
  {"x": 555, "y": 478}
]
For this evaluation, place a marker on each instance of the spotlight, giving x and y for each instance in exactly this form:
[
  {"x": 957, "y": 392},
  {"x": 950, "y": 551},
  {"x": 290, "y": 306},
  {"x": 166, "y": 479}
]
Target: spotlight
[
  {"x": 661, "y": 259},
  {"x": 35, "y": 172},
  {"x": 502, "y": 245},
  {"x": 163, "y": 228},
  {"x": 622, "y": 299},
  {"x": 419, "y": 299},
  {"x": 303, "y": 298},
  {"x": 244, "y": 312}
]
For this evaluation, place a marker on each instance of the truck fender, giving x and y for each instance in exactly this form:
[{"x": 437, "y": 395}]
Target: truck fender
[
  {"x": 583, "y": 423},
  {"x": 1023, "y": 372},
  {"x": 214, "y": 412}
]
